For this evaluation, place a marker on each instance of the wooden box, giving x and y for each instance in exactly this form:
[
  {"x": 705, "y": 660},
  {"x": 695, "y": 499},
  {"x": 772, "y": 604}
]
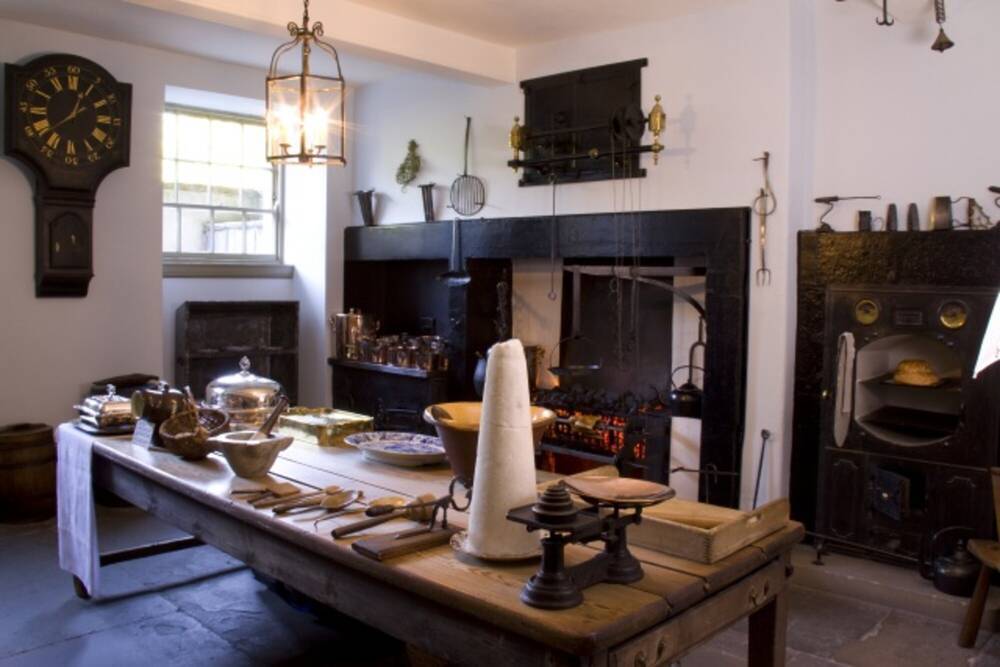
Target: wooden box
[{"x": 705, "y": 533}]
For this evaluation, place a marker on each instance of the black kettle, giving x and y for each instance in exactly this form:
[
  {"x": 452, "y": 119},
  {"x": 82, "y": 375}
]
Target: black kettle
[{"x": 954, "y": 573}]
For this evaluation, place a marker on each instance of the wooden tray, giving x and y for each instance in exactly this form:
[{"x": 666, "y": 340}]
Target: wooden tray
[
  {"x": 705, "y": 533},
  {"x": 698, "y": 531}
]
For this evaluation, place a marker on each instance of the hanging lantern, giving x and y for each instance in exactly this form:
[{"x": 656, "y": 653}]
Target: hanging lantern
[{"x": 305, "y": 111}]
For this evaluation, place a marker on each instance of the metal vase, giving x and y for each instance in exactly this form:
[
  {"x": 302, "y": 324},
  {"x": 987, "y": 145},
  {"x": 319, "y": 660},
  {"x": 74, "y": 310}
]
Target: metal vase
[
  {"x": 365, "y": 200},
  {"x": 427, "y": 193}
]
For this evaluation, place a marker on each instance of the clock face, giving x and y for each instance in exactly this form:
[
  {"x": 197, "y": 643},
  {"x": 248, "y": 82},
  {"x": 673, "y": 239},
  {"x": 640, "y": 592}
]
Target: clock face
[{"x": 70, "y": 115}]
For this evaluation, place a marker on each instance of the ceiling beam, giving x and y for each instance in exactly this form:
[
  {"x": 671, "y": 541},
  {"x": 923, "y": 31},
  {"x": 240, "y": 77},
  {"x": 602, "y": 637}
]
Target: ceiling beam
[{"x": 362, "y": 31}]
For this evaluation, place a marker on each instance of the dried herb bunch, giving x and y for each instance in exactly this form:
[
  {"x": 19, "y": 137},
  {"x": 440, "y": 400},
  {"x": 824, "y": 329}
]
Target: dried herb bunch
[{"x": 409, "y": 167}]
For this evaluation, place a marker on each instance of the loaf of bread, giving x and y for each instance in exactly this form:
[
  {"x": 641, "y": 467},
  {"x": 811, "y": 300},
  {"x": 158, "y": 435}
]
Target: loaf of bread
[{"x": 915, "y": 372}]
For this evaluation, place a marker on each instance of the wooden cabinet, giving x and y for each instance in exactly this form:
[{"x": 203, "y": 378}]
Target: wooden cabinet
[{"x": 212, "y": 336}]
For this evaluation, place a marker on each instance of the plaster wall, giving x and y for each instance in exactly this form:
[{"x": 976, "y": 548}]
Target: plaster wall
[
  {"x": 844, "y": 107},
  {"x": 727, "y": 96},
  {"x": 50, "y": 349}
]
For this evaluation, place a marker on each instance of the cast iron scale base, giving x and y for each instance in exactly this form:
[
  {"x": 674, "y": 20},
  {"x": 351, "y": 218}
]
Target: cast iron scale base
[{"x": 556, "y": 586}]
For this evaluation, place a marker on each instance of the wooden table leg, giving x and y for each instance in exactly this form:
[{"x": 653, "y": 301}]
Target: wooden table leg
[
  {"x": 767, "y": 633},
  {"x": 80, "y": 590},
  {"x": 974, "y": 614}
]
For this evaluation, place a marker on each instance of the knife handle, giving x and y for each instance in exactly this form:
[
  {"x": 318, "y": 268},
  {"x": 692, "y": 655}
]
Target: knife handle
[{"x": 371, "y": 522}]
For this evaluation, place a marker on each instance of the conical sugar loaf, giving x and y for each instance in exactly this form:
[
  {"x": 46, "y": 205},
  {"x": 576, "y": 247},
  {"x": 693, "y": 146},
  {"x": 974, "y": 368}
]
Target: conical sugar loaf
[{"x": 505, "y": 460}]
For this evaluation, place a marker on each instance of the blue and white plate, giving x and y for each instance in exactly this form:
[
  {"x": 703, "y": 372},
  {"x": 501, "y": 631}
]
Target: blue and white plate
[{"x": 401, "y": 449}]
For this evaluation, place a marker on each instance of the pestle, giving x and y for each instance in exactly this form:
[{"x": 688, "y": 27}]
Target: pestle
[{"x": 264, "y": 431}]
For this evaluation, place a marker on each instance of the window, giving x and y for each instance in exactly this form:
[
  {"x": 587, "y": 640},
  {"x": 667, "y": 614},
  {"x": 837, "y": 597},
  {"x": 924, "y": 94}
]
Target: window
[{"x": 221, "y": 197}]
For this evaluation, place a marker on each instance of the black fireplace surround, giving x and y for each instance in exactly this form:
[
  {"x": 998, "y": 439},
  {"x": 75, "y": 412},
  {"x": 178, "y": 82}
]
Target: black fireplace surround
[{"x": 391, "y": 272}]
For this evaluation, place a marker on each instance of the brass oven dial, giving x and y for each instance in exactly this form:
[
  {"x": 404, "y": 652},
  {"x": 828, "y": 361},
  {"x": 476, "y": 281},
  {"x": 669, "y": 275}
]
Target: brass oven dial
[
  {"x": 866, "y": 312},
  {"x": 953, "y": 314}
]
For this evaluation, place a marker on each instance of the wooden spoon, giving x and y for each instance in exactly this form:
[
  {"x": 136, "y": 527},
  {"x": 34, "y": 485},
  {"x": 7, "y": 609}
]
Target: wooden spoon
[{"x": 384, "y": 501}]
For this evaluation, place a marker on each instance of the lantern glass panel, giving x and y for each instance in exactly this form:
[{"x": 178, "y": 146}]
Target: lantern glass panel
[{"x": 309, "y": 127}]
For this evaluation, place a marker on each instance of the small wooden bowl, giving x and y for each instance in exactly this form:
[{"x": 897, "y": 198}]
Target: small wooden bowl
[{"x": 179, "y": 433}]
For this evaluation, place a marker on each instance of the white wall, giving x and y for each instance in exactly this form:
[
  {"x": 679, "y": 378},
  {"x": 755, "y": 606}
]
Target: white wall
[
  {"x": 897, "y": 119},
  {"x": 51, "y": 349},
  {"x": 844, "y": 106},
  {"x": 724, "y": 77}
]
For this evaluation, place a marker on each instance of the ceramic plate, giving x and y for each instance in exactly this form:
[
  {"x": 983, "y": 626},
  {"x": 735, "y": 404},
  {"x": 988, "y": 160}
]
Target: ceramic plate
[{"x": 401, "y": 449}]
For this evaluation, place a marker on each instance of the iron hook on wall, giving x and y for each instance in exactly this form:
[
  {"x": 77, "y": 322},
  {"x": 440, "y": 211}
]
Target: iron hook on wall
[{"x": 885, "y": 19}]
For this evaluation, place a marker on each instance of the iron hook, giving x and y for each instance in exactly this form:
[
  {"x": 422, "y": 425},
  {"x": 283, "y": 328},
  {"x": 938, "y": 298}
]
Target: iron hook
[{"x": 886, "y": 20}]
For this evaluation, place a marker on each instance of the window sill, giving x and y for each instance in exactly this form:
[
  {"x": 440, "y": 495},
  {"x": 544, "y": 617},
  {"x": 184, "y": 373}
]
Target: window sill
[{"x": 226, "y": 270}]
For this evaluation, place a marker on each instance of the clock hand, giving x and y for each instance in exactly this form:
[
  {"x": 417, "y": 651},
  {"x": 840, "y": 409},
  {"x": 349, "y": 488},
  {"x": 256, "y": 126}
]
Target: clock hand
[{"x": 72, "y": 114}]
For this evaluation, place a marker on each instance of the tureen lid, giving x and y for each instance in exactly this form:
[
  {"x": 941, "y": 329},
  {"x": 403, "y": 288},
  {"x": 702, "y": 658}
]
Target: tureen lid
[{"x": 245, "y": 385}]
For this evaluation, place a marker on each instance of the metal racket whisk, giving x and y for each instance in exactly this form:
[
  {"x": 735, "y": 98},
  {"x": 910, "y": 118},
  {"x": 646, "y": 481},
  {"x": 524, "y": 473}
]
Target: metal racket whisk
[{"x": 467, "y": 192}]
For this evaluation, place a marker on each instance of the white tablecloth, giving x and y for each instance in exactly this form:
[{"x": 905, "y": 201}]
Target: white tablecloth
[{"x": 78, "y": 553}]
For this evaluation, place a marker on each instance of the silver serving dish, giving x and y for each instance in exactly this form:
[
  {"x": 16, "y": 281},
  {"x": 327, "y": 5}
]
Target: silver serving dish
[
  {"x": 245, "y": 397},
  {"x": 106, "y": 411}
]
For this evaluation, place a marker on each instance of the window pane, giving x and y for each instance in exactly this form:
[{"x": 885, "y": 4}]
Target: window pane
[
  {"x": 192, "y": 182},
  {"x": 196, "y": 228},
  {"x": 227, "y": 147},
  {"x": 169, "y": 229},
  {"x": 257, "y": 186},
  {"x": 261, "y": 234},
  {"x": 193, "y": 139},
  {"x": 225, "y": 186},
  {"x": 169, "y": 135},
  {"x": 228, "y": 231},
  {"x": 169, "y": 180},
  {"x": 253, "y": 146}
]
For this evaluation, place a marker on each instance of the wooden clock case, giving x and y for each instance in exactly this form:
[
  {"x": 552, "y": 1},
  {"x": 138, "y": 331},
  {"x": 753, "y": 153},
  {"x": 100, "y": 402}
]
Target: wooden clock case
[{"x": 64, "y": 195}]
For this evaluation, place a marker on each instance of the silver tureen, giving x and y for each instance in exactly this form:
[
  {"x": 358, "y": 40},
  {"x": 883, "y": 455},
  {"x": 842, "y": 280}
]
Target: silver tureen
[{"x": 247, "y": 398}]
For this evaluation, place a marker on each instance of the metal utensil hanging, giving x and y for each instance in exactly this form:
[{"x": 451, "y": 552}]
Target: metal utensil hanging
[
  {"x": 942, "y": 43},
  {"x": 468, "y": 195},
  {"x": 586, "y": 366},
  {"x": 456, "y": 273}
]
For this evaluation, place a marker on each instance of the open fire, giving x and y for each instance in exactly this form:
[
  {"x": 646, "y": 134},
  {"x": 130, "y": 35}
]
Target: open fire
[{"x": 594, "y": 420}]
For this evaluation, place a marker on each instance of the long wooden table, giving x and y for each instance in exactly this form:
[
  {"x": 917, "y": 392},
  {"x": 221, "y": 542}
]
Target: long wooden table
[{"x": 454, "y": 607}]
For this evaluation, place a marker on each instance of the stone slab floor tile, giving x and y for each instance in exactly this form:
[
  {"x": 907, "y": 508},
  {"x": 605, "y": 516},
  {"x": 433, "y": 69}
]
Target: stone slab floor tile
[
  {"x": 908, "y": 639},
  {"x": 174, "y": 639},
  {"x": 253, "y": 619},
  {"x": 37, "y": 603},
  {"x": 820, "y": 623},
  {"x": 708, "y": 656}
]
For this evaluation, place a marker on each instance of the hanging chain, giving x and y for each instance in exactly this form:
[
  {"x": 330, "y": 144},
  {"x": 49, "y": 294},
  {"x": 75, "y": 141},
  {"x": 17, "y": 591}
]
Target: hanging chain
[{"x": 553, "y": 294}]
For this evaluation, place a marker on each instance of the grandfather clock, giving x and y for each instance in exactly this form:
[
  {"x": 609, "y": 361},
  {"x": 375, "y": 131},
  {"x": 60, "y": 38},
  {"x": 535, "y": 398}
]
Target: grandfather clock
[{"x": 68, "y": 121}]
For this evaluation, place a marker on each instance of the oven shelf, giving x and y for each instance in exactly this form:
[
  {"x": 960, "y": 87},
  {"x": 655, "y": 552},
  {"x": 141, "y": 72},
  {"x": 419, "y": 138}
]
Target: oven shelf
[
  {"x": 885, "y": 380},
  {"x": 914, "y": 423}
]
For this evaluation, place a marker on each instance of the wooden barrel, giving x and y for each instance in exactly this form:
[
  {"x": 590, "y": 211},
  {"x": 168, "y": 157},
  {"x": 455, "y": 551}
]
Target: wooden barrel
[{"x": 27, "y": 472}]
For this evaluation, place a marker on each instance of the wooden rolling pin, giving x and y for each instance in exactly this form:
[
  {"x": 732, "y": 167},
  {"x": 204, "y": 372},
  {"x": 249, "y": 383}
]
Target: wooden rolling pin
[{"x": 419, "y": 510}]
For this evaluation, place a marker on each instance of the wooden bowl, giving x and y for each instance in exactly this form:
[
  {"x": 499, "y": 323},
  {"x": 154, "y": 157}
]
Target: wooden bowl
[
  {"x": 250, "y": 458},
  {"x": 457, "y": 424},
  {"x": 181, "y": 437}
]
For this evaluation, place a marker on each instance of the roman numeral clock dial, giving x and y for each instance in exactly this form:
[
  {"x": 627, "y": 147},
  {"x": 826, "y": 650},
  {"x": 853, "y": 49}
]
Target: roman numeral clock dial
[{"x": 67, "y": 120}]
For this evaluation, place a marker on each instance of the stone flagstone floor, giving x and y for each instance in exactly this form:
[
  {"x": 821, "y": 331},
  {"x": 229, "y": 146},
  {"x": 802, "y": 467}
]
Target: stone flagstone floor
[{"x": 200, "y": 607}]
